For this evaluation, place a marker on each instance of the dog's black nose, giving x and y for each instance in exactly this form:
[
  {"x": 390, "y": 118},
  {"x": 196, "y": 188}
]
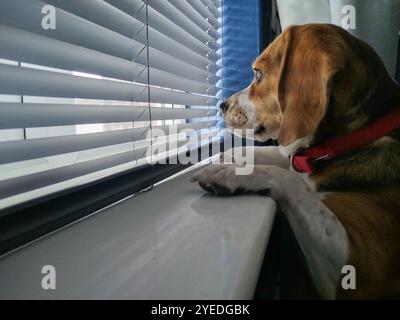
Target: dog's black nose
[{"x": 223, "y": 107}]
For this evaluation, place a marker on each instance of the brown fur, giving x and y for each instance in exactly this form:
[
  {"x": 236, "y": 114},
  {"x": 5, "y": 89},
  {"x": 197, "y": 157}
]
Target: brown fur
[
  {"x": 372, "y": 223},
  {"x": 324, "y": 82}
]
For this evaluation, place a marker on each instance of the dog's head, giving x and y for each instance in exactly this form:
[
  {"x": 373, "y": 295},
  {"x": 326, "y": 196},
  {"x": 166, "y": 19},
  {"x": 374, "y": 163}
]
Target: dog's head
[{"x": 306, "y": 73}]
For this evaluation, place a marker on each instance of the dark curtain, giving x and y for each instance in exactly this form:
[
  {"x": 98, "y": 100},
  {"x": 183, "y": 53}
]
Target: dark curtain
[
  {"x": 270, "y": 26},
  {"x": 398, "y": 63}
]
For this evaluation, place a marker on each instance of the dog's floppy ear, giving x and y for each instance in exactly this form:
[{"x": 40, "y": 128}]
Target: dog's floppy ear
[{"x": 304, "y": 85}]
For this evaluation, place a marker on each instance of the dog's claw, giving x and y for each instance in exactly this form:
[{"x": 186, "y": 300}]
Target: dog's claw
[
  {"x": 206, "y": 187},
  {"x": 221, "y": 190},
  {"x": 265, "y": 192}
]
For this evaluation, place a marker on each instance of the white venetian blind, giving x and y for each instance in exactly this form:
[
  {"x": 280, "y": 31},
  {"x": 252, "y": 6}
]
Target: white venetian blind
[{"x": 79, "y": 100}]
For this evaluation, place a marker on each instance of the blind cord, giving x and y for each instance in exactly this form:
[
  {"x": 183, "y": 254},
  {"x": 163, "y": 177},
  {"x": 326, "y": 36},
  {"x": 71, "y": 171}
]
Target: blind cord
[
  {"x": 151, "y": 181},
  {"x": 22, "y": 100}
]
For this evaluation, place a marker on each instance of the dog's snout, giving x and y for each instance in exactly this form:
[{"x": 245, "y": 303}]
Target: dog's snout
[{"x": 224, "y": 107}]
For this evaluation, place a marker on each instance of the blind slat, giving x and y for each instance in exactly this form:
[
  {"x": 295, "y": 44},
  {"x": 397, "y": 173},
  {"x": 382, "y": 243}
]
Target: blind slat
[
  {"x": 161, "y": 24},
  {"x": 108, "y": 16},
  {"x": 173, "y": 14},
  {"x": 208, "y": 24},
  {"x": 217, "y": 3},
  {"x": 33, "y": 48},
  {"x": 210, "y": 17},
  {"x": 24, "y": 81},
  {"x": 25, "y": 14},
  {"x": 14, "y": 186},
  {"x": 30, "y": 115},
  {"x": 13, "y": 151},
  {"x": 126, "y": 55},
  {"x": 211, "y": 7}
]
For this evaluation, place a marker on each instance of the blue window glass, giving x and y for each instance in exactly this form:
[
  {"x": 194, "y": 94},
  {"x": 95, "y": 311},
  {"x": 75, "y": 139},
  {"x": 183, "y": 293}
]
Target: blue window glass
[{"x": 240, "y": 43}]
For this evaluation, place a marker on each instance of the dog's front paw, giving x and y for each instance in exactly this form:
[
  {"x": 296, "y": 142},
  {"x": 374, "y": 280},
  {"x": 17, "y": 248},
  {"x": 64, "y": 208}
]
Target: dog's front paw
[
  {"x": 224, "y": 180},
  {"x": 265, "y": 179},
  {"x": 217, "y": 179}
]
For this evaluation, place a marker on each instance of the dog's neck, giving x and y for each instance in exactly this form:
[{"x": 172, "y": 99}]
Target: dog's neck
[
  {"x": 357, "y": 112},
  {"x": 373, "y": 166},
  {"x": 369, "y": 168}
]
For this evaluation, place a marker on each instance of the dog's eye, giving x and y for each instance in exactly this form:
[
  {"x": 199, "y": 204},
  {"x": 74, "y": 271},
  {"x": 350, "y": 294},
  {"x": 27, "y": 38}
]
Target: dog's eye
[{"x": 257, "y": 75}]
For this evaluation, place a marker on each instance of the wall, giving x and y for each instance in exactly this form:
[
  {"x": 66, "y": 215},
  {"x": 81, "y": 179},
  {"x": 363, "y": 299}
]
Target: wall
[
  {"x": 303, "y": 11},
  {"x": 377, "y": 21}
]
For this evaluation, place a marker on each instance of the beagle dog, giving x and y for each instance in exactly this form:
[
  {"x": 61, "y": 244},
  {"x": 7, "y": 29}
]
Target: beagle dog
[{"x": 314, "y": 83}]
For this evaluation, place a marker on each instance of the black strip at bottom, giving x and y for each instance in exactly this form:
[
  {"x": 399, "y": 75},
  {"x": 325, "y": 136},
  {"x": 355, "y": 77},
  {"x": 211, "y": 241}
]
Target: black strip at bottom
[{"x": 397, "y": 75}]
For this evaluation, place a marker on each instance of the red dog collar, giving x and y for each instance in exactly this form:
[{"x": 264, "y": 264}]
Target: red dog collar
[{"x": 303, "y": 161}]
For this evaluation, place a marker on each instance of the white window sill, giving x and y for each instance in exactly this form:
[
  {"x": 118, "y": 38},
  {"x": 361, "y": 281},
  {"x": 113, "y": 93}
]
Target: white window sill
[{"x": 174, "y": 242}]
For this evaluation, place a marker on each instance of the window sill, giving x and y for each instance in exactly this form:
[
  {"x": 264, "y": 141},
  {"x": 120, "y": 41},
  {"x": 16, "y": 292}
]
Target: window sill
[{"x": 174, "y": 242}]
